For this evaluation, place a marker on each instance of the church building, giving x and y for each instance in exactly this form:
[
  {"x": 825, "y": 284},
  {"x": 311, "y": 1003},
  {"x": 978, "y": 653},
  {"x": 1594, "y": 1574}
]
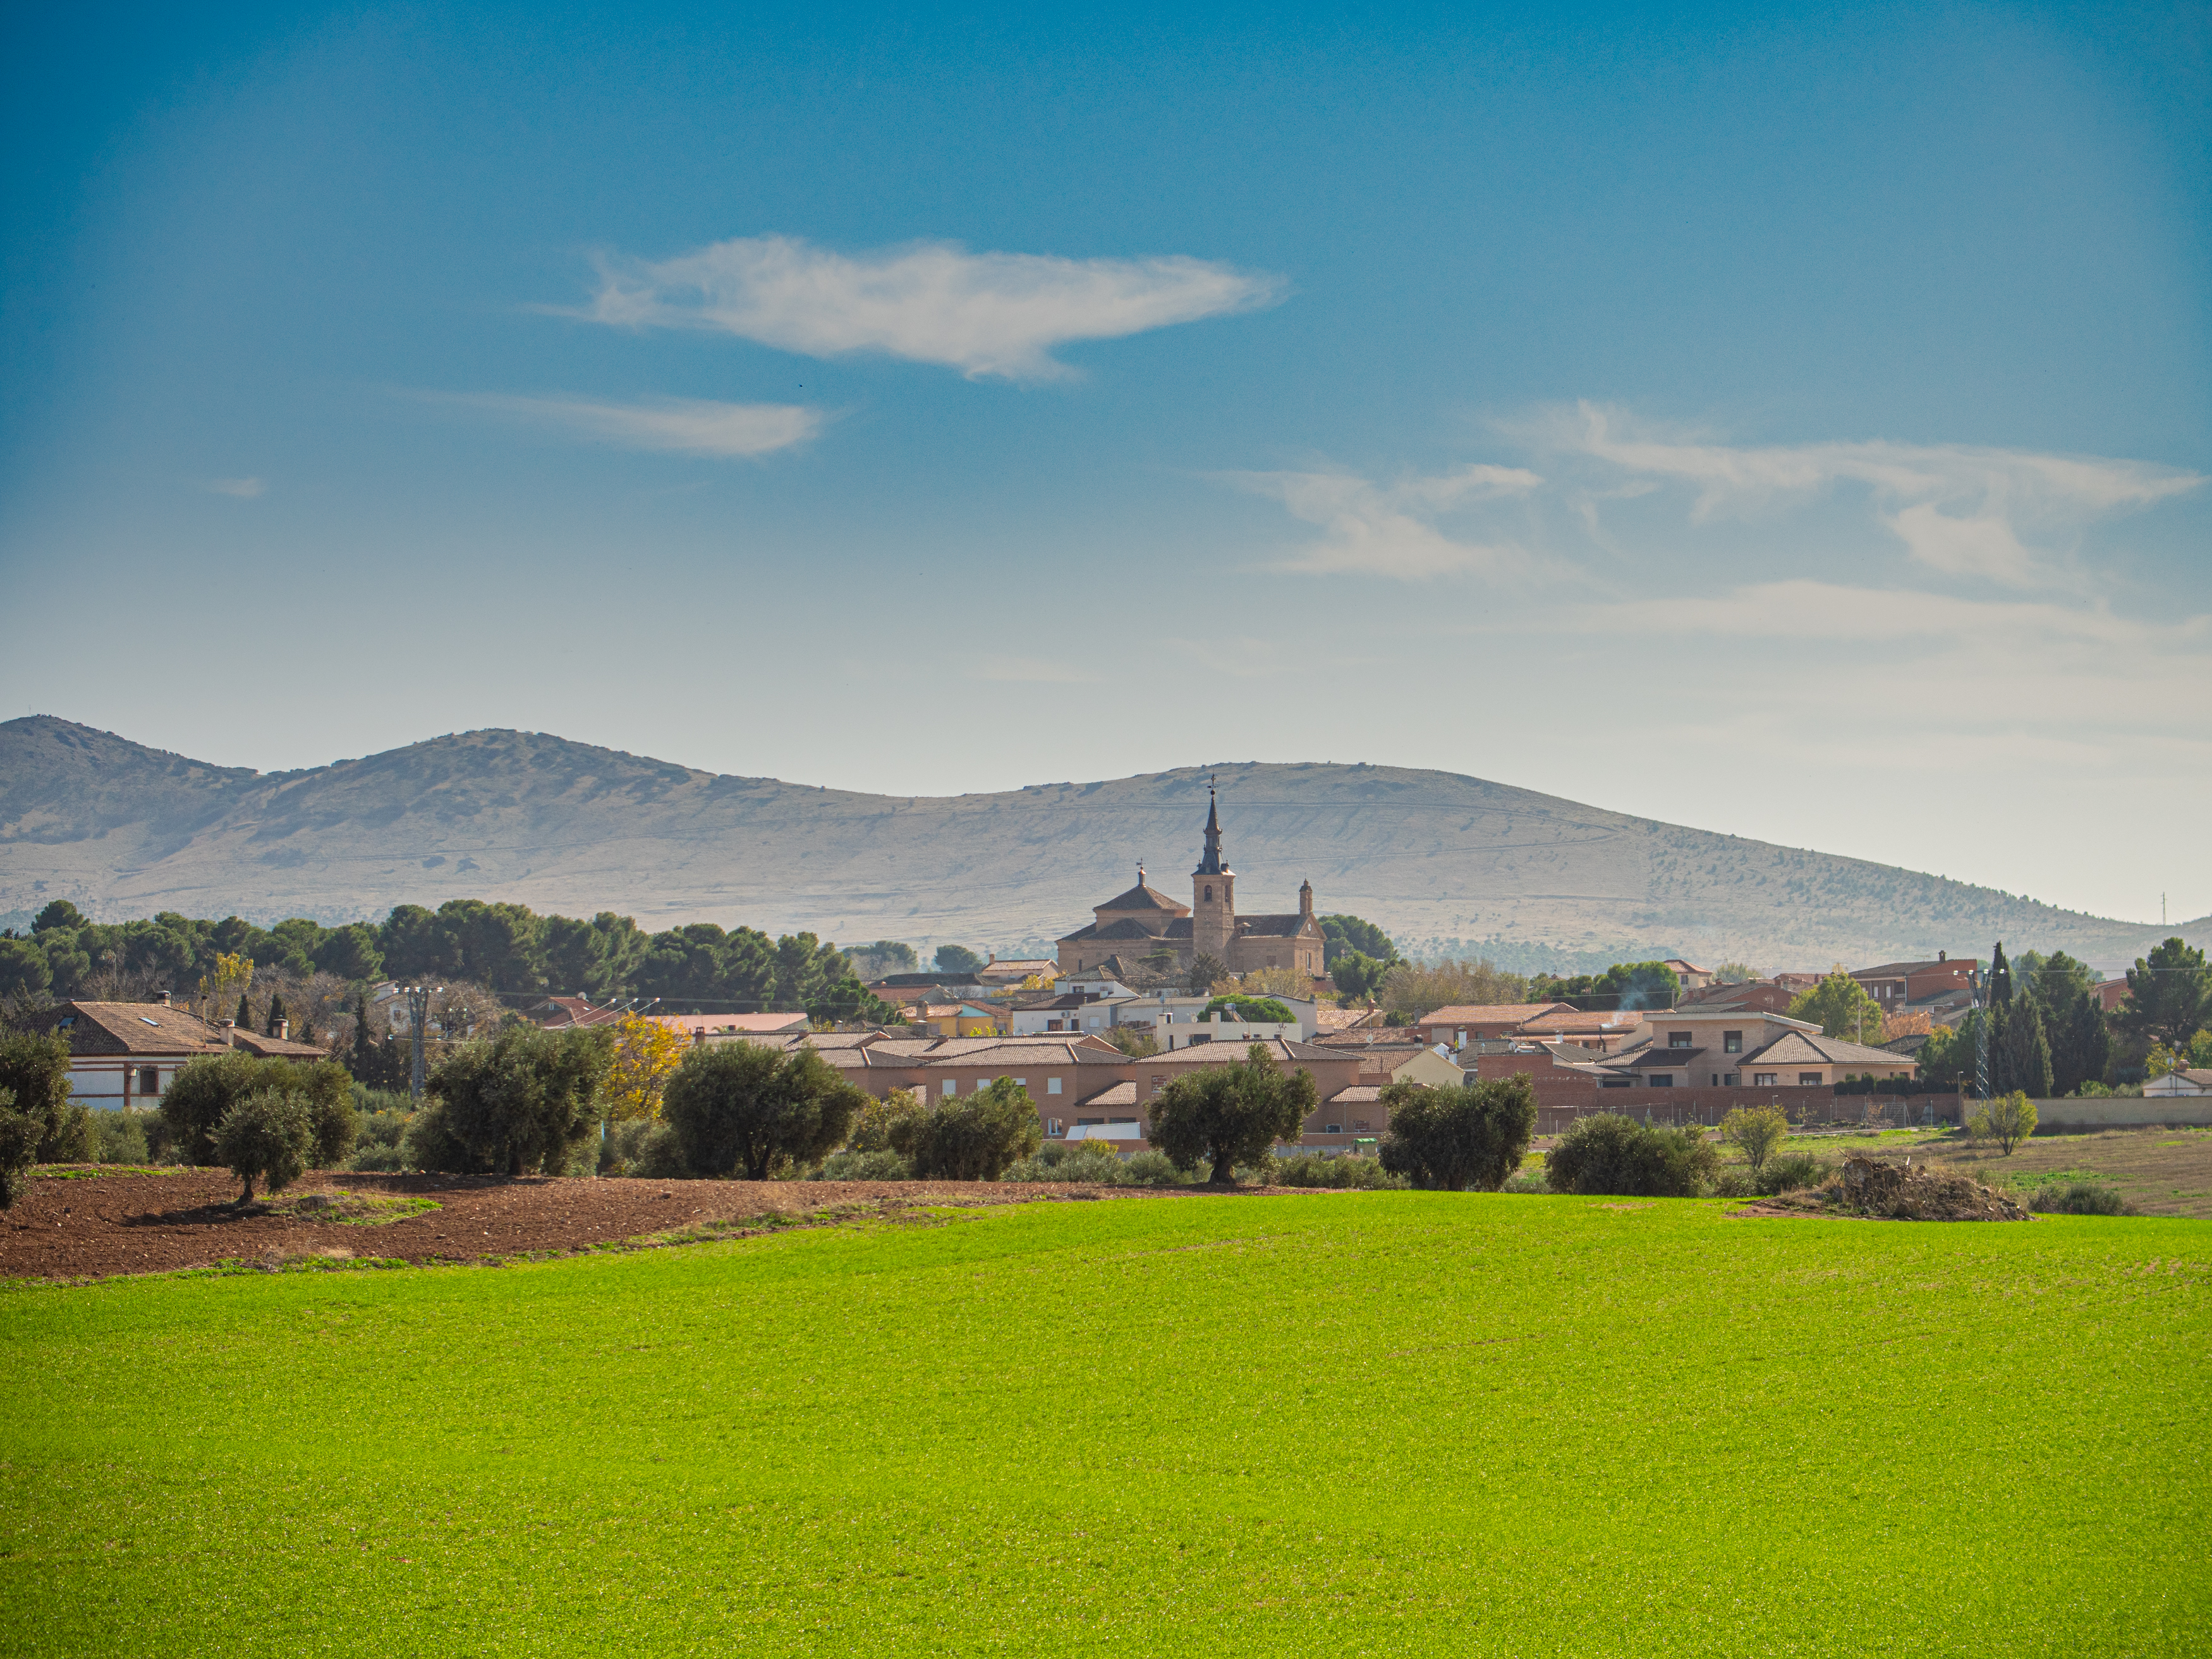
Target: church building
[{"x": 1145, "y": 921}]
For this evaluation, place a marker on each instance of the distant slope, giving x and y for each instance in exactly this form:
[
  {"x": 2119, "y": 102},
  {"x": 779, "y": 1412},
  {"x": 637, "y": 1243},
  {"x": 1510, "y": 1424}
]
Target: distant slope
[{"x": 1436, "y": 858}]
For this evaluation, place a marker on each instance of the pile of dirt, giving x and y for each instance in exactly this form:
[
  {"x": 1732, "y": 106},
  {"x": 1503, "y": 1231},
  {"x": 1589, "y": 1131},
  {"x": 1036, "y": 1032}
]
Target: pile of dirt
[
  {"x": 1899, "y": 1192},
  {"x": 90, "y": 1222}
]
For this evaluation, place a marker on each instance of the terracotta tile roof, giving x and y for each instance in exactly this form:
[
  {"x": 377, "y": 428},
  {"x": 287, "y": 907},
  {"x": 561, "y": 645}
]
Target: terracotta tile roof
[
  {"x": 1345, "y": 1020},
  {"x": 744, "y": 1023},
  {"x": 1588, "y": 1023},
  {"x": 1056, "y": 1050},
  {"x": 1359, "y": 1094},
  {"x": 1113, "y": 1094},
  {"x": 129, "y": 1028},
  {"x": 1143, "y": 896},
  {"x": 1656, "y": 1058},
  {"x": 1498, "y": 1013},
  {"x": 1271, "y": 927},
  {"x": 1811, "y": 1048}
]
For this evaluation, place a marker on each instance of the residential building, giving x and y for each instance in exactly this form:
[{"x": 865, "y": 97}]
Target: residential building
[
  {"x": 1144, "y": 922},
  {"x": 1807, "y": 1059},
  {"x": 1907, "y": 984},
  {"x": 123, "y": 1055},
  {"x": 2193, "y": 1080},
  {"x": 1699, "y": 1048},
  {"x": 1016, "y": 972},
  {"x": 1694, "y": 977},
  {"x": 704, "y": 1028},
  {"x": 1758, "y": 995},
  {"x": 1465, "y": 1022}
]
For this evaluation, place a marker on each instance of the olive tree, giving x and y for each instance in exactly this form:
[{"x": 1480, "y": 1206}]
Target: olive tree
[
  {"x": 268, "y": 1135},
  {"x": 35, "y": 1104},
  {"x": 1609, "y": 1154},
  {"x": 1755, "y": 1131},
  {"x": 742, "y": 1106},
  {"x": 522, "y": 1101},
  {"x": 202, "y": 1092},
  {"x": 1467, "y": 1137},
  {"x": 2007, "y": 1119},
  {"x": 1226, "y": 1115},
  {"x": 975, "y": 1137}
]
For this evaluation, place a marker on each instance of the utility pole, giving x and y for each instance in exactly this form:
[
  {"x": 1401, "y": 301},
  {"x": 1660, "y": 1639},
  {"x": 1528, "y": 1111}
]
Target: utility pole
[
  {"x": 1981, "y": 1039},
  {"x": 418, "y": 1017}
]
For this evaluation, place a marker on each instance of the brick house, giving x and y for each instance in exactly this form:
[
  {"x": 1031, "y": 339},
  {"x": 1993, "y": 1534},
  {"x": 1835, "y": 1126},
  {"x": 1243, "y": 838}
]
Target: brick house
[{"x": 123, "y": 1055}]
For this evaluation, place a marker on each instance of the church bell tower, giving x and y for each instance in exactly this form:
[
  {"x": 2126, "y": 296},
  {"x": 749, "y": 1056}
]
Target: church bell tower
[{"x": 1213, "y": 894}]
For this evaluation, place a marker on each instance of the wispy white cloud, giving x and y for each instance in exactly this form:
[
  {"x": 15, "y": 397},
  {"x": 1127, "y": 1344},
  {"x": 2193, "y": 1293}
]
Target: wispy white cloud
[
  {"x": 243, "y": 488},
  {"x": 683, "y": 426},
  {"x": 1393, "y": 529},
  {"x": 1959, "y": 509},
  {"x": 931, "y": 303}
]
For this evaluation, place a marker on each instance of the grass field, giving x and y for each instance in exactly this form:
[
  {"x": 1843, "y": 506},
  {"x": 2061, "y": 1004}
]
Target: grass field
[{"x": 1385, "y": 1423}]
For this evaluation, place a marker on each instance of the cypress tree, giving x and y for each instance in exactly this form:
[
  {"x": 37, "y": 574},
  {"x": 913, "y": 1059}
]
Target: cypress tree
[
  {"x": 276, "y": 1013},
  {"x": 2026, "y": 1051},
  {"x": 1999, "y": 976},
  {"x": 364, "y": 1064},
  {"x": 245, "y": 1019}
]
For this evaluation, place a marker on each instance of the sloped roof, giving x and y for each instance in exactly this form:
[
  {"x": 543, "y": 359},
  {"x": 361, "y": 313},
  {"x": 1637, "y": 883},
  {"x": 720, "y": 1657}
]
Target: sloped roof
[
  {"x": 1113, "y": 1094},
  {"x": 1359, "y": 1094},
  {"x": 1656, "y": 1058},
  {"x": 1492, "y": 1013},
  {"x": 138, "y": 1027},
  {"x": 1143, "y": 896},
  {"x": 1284, "y": 926},
  {"x": 1055, "y": 1050},
  {"x": 1811, "y": 1048}
]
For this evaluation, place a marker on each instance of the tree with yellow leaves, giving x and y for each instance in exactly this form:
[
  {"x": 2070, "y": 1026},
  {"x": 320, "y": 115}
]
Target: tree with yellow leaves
[
  {"x": 646, "y": 1055},
  {"x": 232, "y": 978}
]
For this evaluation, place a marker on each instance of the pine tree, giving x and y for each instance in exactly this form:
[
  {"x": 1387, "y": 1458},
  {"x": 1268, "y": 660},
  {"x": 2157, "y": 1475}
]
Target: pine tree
[
  {"x": 2080, "y": 1046},
  {"x": 2026, "y": 1052}
]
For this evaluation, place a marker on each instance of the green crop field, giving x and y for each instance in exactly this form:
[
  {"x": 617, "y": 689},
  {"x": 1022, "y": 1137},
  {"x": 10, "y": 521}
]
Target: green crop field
[{"x": 1388, "y": 1422}]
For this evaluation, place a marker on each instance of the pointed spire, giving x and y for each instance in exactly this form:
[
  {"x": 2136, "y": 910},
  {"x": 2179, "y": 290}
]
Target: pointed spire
[{"x": 1211, "y": 864}]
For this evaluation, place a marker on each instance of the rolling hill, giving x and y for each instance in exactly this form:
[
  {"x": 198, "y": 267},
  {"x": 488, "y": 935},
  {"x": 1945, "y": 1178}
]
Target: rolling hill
[{"x": 1444, "y": 862}]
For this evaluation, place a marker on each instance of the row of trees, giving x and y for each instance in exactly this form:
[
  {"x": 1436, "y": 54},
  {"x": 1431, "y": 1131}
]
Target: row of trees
[{"x": 508, "y": 949}]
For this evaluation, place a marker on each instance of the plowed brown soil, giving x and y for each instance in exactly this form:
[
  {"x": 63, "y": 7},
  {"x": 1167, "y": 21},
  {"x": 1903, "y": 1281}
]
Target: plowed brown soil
[{"x": 82, "y": 1225}]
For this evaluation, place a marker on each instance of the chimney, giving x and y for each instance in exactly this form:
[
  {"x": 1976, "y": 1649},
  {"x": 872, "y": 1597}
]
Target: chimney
[
  {"x": 283, "y": 1030},
  {"x": 161, "y": 997},
  {"x": 229, "y": 1033}
]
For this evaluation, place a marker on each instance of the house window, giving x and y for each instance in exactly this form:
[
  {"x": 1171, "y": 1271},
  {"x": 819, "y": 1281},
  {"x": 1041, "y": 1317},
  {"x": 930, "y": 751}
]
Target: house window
[
  {"x": 1334, "y": 1129},
  {"x": 1809, "y": 1079},
  {"x": 1731, "y": 1043},
  {"x": 1678, "y": 1039},
  {"x": 1021, "y": 1082},
  {"x": 149, "y": 1080},
  {"x": 1730, "y": 1079},
  {"x": 1057, "y": 1128},
  {"x": 1052, "y": 1085},
  {"x": 952, "y": 1085},
  {"x": 1762, "y": 1080},
  {"x": 1662, "y": 1080}
]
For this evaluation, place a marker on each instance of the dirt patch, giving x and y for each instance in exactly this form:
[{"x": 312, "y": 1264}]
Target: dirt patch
[
  {"x": 76, "y": 1223},
  {"x": 1873, "y": 1190}
]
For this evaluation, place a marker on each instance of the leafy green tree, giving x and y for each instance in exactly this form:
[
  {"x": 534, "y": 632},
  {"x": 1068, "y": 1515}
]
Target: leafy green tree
[
  {"x": 1226, "y": 1115},
  {"x": 1469, "y": 1138},
  {"x": 2007, "y": 1119},
  {"x": 2169, "y": 994},
  {"x": 1131, "y": 1040},
  {"x": 205, "y": 1089},
  {"x": 1343, "y": 935},
  {"x": 1258, "y": 1010},
  {"x": 2080, "y": 1045},
  {"x": 973, "y": 1137},
  {"x": 744, "y": 1106},
  {"x": 268, "y": 1135},
  {"x": 1357, "y": 976},
  {"x": 350, "y": 952},
  {"x": 1735, "y": 973},
  {"x": 881, "y": 1123},
  {"x": 35, "y": 1104},
  {"x": 58, "y": 913},
  {"x": 521, "y": 1101},
  {"x": 1609, "y": 1154},
  {"x": 957, "y": 959},
  {"x": 26, "y": 974},
  {"x": 1840, "y": 1006},
  {"x": 1756, "y": 1132}
]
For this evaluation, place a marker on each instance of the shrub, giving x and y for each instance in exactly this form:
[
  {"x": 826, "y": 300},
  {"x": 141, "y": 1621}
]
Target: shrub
[
  {"x": 1151, "y": 1168},
  {"x": 1527, "y": 1181},
  {"x": 1607, "y": 1154},
  {"x": 975, "y": 1137},
  {"x": 1757, "y": 1132},
  {"x": 2081, "y": 1198},
  {"x": 74, "y": 1140},
  {"x": 1226, "y": 1115},
  {"x": 269, "y": 1135},
  {"x": 202, "y": 1094},
  {"x": 1072, "y": 1160},
  {"x": 35, "y": 1103},
  {"x": 383, "y": 1134},
  {"x": 740, "y": 1106},
  {"x": 122, "y": 1137},
  {"x": 883, "y": 1125},
  {"x": 2007, "y": 1119},
  {"x": 1732, "y": 1183},
  {"x": 1453, "y": 1138},
  {"x": 523, "y": 1100},
  {"x": 1789, "y": 1172},
  {"x": 882, "y": 1164},
  {"x": 1317, "y": 1169}
]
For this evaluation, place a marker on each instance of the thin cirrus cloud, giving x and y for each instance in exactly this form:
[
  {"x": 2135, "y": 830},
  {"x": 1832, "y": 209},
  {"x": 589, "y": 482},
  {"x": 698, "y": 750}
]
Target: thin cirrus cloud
[
  {"x": 681, "y": 426},
  {"x": 1959, "y": 509},
  {"x": 1393, "y": 529},
  {"x": 244, "y": 489},
  {"x": 985, "y": 315}
]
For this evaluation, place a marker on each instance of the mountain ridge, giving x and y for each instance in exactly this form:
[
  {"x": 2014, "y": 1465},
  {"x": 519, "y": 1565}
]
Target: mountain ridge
[{"x": 1441, "y": 860}]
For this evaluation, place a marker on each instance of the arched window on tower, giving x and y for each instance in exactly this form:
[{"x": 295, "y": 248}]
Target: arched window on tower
[{"x": 1209, "y": 895}]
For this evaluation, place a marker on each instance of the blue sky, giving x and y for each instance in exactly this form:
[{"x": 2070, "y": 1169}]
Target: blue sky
[{"x": 1795, "y": 426}]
